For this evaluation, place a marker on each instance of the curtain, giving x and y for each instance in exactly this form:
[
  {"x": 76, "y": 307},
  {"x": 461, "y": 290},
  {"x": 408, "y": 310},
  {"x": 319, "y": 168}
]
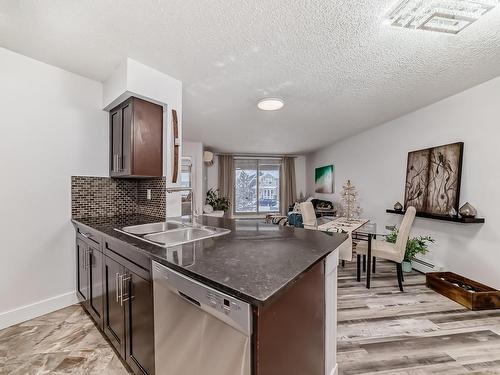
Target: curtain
[
  {"x": 288, "y": 188},
  {"x": 226, "y": 180}
]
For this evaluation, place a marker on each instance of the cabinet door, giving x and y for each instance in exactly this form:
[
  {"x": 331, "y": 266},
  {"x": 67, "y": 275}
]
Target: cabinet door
[
  {"x": 96, "y": 287},
  {"x": 116, "y": 141},
  {"x": 114, "y": 313},
  {"x": 125, "y": 159},
  {"x": 140, "y": 324},
  {"x": 82, "y": 280},
  {"x": 148, "y": 139}
]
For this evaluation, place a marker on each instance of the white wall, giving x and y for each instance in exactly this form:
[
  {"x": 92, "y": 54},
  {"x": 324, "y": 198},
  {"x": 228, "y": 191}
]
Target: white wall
[
  {"x": 52, "y": 127},
  {"x": 194, "y": 150},
  {"x": 376, "y": 163},
  {"x": 300, "y": 175}
]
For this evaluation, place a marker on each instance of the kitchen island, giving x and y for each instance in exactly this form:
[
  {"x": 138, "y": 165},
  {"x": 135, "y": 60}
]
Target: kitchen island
[{"x": 286, "y": 275}]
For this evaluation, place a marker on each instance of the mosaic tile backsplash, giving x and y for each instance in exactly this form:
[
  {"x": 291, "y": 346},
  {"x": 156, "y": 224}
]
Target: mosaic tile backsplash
[
  {"x": 155, "y": 206},
  {"x": 104, "y": 196}
]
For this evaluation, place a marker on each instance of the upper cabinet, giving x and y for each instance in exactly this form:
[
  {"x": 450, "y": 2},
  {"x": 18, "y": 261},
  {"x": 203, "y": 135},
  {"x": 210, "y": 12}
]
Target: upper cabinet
[{"x": 136, "y": 139}]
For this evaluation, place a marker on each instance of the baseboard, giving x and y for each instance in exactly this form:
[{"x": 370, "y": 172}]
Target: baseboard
[{"x": 34, "y": 310}]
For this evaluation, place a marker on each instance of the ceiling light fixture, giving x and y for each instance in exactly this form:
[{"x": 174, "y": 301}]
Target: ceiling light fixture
[
  {"x": 446, "y": 16},
  {"x": 270, "y": 104}
]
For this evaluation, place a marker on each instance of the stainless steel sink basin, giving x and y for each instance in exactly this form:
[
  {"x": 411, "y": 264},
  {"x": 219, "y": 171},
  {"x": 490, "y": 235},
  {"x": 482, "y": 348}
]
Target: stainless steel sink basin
[
  {"x": 172, "y": 233},
  {"x": 153, "y": 227},
  {"x": 184, "y": 235}
]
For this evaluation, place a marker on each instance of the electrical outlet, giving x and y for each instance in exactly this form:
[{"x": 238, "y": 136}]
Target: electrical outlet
[{"x": 148, "y": 194}]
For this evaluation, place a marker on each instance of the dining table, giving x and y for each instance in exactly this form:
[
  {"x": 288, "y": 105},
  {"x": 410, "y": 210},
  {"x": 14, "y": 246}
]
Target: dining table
[{"x": 368, "y": 232}]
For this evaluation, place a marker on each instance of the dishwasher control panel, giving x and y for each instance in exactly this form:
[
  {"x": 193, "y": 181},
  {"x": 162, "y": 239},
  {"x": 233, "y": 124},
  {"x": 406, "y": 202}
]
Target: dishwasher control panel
[{"x": 222, "y": 303}]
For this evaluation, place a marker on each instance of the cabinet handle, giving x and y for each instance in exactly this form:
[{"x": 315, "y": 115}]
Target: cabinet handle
[
  {"x": 116, "y": 161},
  {"x": 89, "y": 258},
  {"x": 122, "y": 162},
  {"x": 126, "y": 279},
  {"x": 117, "y": 275},
  {"x": 85, "y": 257},
  {"x": 120, "y": 283}
]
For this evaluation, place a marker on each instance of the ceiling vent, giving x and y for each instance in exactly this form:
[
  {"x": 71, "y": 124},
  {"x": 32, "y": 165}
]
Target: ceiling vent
[{"x": 446, "y": 16}]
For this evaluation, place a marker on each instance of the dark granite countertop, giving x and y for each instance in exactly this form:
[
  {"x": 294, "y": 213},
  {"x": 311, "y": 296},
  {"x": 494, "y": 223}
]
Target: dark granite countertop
[{"x": 253, "y": 263}]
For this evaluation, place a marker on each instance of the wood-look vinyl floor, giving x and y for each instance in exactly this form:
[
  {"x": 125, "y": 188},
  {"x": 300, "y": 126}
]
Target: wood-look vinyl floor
[
  {"x": 381, "y": 331},
  {"x": 384, "y": 331}
]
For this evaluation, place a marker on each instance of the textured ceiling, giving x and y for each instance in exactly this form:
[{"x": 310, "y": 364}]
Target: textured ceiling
[{"x": 338, "y": 67}]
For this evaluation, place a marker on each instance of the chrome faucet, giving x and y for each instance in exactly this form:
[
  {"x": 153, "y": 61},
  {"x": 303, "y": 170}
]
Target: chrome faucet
[{"x": 180, "y": 189}]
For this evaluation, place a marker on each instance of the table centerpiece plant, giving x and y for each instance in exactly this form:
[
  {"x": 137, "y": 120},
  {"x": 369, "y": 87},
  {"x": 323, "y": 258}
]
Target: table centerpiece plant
[{"x": 414, "y": 246}]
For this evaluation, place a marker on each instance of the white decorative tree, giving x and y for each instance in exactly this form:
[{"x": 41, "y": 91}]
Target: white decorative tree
[{"x": 349, "y": 201}]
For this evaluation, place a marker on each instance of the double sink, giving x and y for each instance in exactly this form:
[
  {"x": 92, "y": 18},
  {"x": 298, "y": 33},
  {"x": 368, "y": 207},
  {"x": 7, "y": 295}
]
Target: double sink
[{"x": 172, "y": 233}]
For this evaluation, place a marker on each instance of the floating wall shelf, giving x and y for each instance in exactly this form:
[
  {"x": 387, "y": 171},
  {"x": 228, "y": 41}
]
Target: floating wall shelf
[{"x": 455, "y": 219}]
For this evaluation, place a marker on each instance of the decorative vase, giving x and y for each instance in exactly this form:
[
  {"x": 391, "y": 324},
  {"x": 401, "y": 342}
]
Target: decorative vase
[
  {"x": 407, "y": 267},
  {"x": 467, "y": 211},
  {"x": 398, "y": 207},
  {"x": 452, "y": 212}
]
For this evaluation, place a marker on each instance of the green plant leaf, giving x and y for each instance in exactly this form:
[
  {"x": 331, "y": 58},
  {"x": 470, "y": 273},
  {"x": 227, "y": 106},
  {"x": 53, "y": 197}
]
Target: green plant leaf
[
  {"x": 415, "y": 245},
  {"x": 218, "y": 202}
]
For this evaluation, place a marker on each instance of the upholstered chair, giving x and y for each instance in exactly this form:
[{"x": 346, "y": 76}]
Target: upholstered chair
[
  {"x": 309, "y": 216},
  {"x": 389, "y": 251}
]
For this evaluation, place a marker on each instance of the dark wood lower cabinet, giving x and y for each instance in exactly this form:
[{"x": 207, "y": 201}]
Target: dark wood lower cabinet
[
  {"x": 95, "y": 304},
  {"x": 82, "y": 278},
  {"x": 117, "y": 292},
  {"x": 140, "y": 324},
  {"x": 114, "y": 314},
  {"x": 128, "y": 316},
  {"x": 89, "y": 260}
]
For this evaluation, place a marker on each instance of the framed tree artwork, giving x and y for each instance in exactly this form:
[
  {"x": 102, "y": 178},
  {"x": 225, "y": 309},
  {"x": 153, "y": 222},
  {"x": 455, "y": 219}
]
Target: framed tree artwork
[
  {"x": 433, "y": 179},
  {"x": 324, "y": 180}
]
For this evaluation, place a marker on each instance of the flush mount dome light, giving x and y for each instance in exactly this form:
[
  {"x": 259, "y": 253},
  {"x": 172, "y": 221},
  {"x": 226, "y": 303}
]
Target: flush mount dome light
[
  {"x": 270, "y": 104},
  {"x": 446, "y": 16}
]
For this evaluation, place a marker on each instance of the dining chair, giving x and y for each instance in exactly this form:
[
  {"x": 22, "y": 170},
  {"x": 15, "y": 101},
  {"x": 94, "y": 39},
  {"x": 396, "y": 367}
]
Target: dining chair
[
  {"x": 310, "y": 221},
  {"x": 309, "y": 218},
  {"x": 394, "y": 252}
]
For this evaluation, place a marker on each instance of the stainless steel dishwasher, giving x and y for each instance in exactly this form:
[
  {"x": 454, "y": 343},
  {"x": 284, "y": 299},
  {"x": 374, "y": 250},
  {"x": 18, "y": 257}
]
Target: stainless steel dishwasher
[{"x": 198, "y": 330}]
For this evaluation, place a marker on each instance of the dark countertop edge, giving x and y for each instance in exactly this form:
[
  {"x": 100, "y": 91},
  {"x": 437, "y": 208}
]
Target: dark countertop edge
[
  {"x": 234, "y": 292},
  {"x": 213, "y": 284}
]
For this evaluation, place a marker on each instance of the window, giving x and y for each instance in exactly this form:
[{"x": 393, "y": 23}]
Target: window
[
  {"x": 186, "y": 178},
  {"x": 257, "y": 185},
  {"x": 186, "y": 172}
]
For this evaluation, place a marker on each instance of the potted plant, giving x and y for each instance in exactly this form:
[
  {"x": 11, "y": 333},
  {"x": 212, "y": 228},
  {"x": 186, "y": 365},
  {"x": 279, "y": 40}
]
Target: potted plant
[
  {"x": 414, "y": 246},
  {"x": 216, "y": 201}
]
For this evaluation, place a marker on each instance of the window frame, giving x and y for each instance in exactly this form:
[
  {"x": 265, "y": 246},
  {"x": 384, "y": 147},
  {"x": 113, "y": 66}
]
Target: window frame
[
  {"x": 258, "y": 161},
  {"x": 186, "y": 163}
]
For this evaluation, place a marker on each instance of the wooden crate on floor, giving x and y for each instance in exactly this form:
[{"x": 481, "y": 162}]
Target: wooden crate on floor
[{"x": 484, "y": 298}]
